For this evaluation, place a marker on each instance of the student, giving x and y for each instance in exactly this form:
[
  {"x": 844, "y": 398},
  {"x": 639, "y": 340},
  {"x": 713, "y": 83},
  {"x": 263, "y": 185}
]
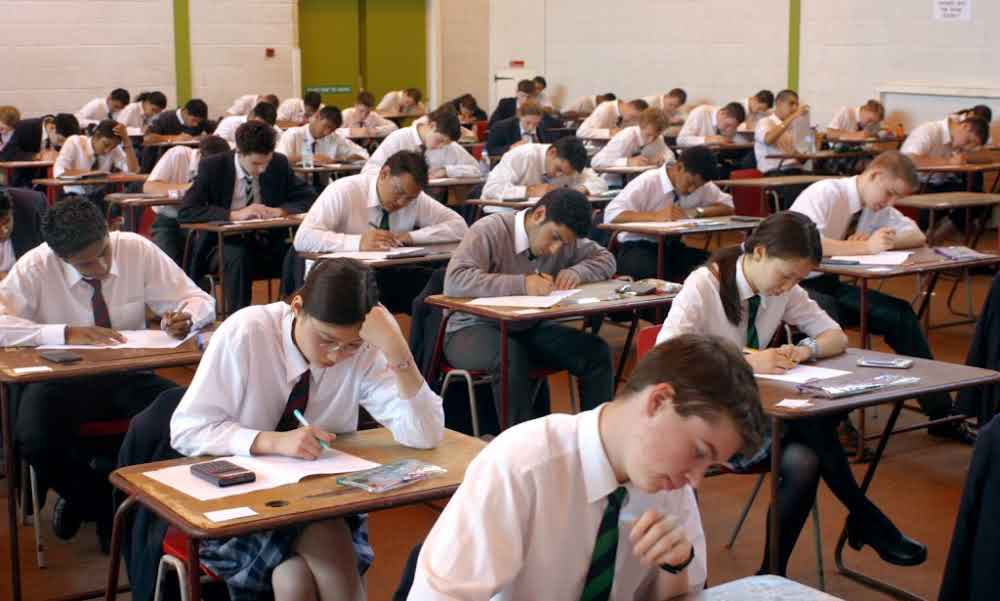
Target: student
[
  {"x": 320, "y": 133},
  {"x": 108, "y": 149},
  {"x": 100, "y": 109},
  {"x": 743, "y": 295},
  {"x": 299, "y": 110},
  {"x": 585, "y": 105},
  {"x": 186, "y": 123},
  {"x": 84, "y": 286},
  {"x": 507, "y": 107},
  {"x": 524, "y": 522},
  {"x": 533, "y": 251},
  {"x": 980, "y": 110},
  {"x": 610, "y": 117},
  {"x": 757, "y": 107},
  {"x": 178, "y": 166},
  {"x": 40, "y": 138},
  {"x": 857, "y": 122},
  {"x": 519, "y": 129},
  {"x": 402, "y": 102},
  {"x": 246, "y": 103},
  {"x": 435, "y": 138},
  {"x": 20, "y": 225},
  {"x": 832, "y": 205},
  {"x": 363, "y": 116},
  {"x": 540, "y": 97},
  {"x": 709, "y": 124},
  {"x": 252, "y": 183},
  {"x": 670, "y": 103},
  {"x": 682, "y": 189},
  {"x": 141, "y": 113},
  {"x": 637, "y": 145},
  {"x": 532, "y": 170},
  {"x": 328, "y": 352},
  {"x": 468, "y": 110},
  {"x": 262, "y": 111},
  {"x": 9, "y": 117},
  {"x": 379, "y": 211},
  {"x": 778, "y": 133}
]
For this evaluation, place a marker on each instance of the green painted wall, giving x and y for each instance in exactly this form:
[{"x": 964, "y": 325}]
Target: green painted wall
[
  {"x": 329, "y": 39},
  {"x": 794, "y": 32},
  {"x": 182, "y": 50},
  {"x": 395, "y": 54}
]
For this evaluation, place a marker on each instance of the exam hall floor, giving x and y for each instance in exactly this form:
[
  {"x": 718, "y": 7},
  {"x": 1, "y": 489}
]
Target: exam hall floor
[{"x": 918, "y": 485}]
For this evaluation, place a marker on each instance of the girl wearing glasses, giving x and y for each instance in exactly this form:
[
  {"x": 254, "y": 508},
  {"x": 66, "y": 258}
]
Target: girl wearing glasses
[{"x": 329, "y": 350}]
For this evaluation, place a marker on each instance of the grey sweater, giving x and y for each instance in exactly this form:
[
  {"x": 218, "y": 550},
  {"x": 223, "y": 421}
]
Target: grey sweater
[{"x": 487, "y": 264}]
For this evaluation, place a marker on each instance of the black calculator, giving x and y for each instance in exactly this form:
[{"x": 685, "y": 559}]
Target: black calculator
[{"x": 223, "y": 473}]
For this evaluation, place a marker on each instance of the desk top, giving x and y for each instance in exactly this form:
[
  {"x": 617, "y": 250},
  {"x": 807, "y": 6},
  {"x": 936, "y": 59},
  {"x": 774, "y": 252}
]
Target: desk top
[
  {"x": 143, "y": 200},
  {"x": 625, "y": 169},
  {"x": 935, "y": 376},
  {"x": 114, "y": 178},
  {"x": 760, "y": 588},
  {"x": 923, "y": 260},
  {"x": 958, "y": 168},
  {"x": 437, "y": 253},
  {"x": 293, "y": 503},
  {"x": 447, "y": 182},
  {"x": 718, "y": 224},
  {"x": 527, "y": 204},
  {"x": 948, "y": 200},
  {"x": 823, "y": 155},
  {"x": 166, "y": 143},
  {"x": 246, "y": 226},
  {"x": 330, "y": 168},
  {"x": 773, "y": 181},
  {"x": 567, "y": 308},
  {"x": 25, "y": 164}
]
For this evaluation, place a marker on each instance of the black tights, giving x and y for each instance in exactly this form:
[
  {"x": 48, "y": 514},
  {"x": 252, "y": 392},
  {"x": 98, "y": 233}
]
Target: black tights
[{"x": 810, "y": 450}]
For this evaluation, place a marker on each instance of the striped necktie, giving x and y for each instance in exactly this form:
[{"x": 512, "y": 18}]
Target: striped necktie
[
  {"x": 298, "y": 398},
  {"x": 753, "y": 305},
  {"x": 383, "y": 223},
  {"x": 102, "y": 317},
  {"x": 601, "y": 574},
  {"x": 248, "y": 190}
]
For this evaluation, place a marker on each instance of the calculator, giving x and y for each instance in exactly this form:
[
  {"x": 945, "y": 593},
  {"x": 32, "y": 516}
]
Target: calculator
[{"x": 223, "y": 473}]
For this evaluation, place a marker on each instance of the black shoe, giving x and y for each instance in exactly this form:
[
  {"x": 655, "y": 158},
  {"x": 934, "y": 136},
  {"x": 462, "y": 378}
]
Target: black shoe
[
  {"x": 66, "y": 519},
  {"x": 890, "y": 544},
  {"x": 957, "y": 431}
]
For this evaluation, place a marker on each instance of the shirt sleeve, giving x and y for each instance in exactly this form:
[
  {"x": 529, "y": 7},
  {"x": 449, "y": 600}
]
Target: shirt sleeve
[
  {"x": 388, "y": 103},
  {"x": 120, "y": 160},
  {"x": 318, "y": 232},
  {"x": 416, "y": 422},
  {"x": 344, "y": 148},
  {"x": 389, "y": 146},
  {"x": 616, "y": 152},
  {"x": 687, "y": 315},
  {"x": 67, "y": 159},
  {"x": 811, "y": 204},
  {"x": 504, "y": 181},
  {"x": 165, "y": 169},
  {"x": 591, "y": 126},
  {"x": 593, "y": 182},
  {"x": 917, "y": 143},
  {"x": 626, "y": 200},
  {"x": 461, "y": 163},
  {"x": 842, "y": 120},
  {"x": 803, "y": 313},
  {"x": 20, "y": 291},
  {"x": 691, "y": 133},
  {"x": 289, "y": 143},
  {"x": 709, "y": 195},
  {"x": 592, "y": 262},
  {"x": 381, "y": 125},
  {"x": 899, "y": 222},
  {"x": 167, "y": 287},
  {"x": 436, "y": 222}
]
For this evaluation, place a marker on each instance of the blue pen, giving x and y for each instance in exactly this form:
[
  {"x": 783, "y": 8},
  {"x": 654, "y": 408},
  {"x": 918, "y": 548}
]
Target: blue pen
[{"x": 302, "y": 420}]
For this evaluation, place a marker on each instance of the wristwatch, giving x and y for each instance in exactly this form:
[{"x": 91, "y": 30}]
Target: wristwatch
[
  {"x": 810, "y": 343},
  {"x": 404, "y": 364},
  {"x": 699, "y": 212},
  {"x": 672, "y": 569}
]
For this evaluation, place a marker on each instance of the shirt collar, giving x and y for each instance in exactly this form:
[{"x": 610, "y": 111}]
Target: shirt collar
[
  {"x": 372, "y": 201},
  {"x": 295, "y": 363},
  {"x": 107, "y": 106},
  {"x": 945, "y": 126},
  {"x": 853, "y": 194},
  {"x": 715, "y": 119},
  {"x": 307, "y": 135},
  {"x": 416, "y": 136},
  {"x": 521, "y": 242},
  {"x": 240, "y": 173},
  {"x": 665, "y": 182},
  {"x": 180, "y": 117},
  {"x": 746, "y": 291},
  {"x": 74, "y": 277},
  {"x": 598, "y": 476}
]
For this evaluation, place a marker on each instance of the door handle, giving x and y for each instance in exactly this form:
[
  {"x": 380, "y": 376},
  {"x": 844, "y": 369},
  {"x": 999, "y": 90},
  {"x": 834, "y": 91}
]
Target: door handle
[{"x": 499, "y": 78}]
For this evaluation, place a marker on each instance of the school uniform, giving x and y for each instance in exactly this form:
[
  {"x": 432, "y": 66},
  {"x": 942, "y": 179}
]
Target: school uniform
[
  {"x": 27, "y": 208},
  {"x": 626, "y": 144},
  {"x": 28, "y": 139},
  {"x": 546, "y": 487},
  {"x": 244, "y": 104},
  {"x": 392, "y": 104},
  {"x": 505, "y": 109},
  {"x": 832, "y": 205},
  {"x": 335, "y": 146},
  {"x": 750, "y": 124},
  {"x": 702, "y": 122},
  {"x": 94, "y": 111},
  {"x": 659, "y": 101},
  {"x": 350, "y": 206},
  {"x": 933, "y": 140},
  {"x": 479, "y": 114},
  {"x": 525, "y": 166},
  {"x": 381, "y": 125},
  {"x": 493, "y": 260},
  {"x": 251, "y": 377},
  {"x": 848, "y": 118},
  {"x": 133, "y": 116},
  {"x": 653, "y": 191},
  {"x": 505, "y": 133},
  {"x": 599, "y": 123},
  {"x": 228, "y": 126},
  {"x": 167, "y": 123},
  {"x": 179, "y": 165},
  {"x": 451, "y": 157},
  {"x": 294, "y": 109},
  {"x": 39, "y": 298},
  {"x": 785, "y": 144},
  {"x": 78, "y": 153},
  {"x": 222, "y": 186}
]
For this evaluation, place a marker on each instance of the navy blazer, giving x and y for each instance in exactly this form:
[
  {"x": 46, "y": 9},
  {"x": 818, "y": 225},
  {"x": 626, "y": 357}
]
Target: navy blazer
[
  {"x": 26, "y": 141},
  {"x": 506, "y": 108},
  {"x": 27, "y": 206}
]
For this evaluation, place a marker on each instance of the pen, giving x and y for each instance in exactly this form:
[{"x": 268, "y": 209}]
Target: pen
[{"x": 302, "y": 420}]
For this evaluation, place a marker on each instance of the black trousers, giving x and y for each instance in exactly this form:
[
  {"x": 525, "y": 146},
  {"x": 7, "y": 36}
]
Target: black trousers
[
  {"x": 545, "y": 345},
  {"x": 638, "y": 259},
  {"x": 249, "y": 257},
  {"x": 168, "y": 236},
  {"x": 398, "y": 286},
  {"x": 888, "y": 316},
  {"x": 49, "y": 416}
]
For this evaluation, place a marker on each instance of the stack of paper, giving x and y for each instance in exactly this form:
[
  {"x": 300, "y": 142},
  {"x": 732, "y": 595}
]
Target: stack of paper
[
  {"x": 525, "y": 302},
  {"x": 133, "y": 339},
  {"x": 377, "y": 255},
  {"x": 889, "y": 257},
  {"x": 800, "y": 374}
]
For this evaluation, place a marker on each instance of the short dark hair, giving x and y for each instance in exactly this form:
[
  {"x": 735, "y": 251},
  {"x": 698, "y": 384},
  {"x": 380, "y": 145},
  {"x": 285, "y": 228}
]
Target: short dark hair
[
  {"x": 526, "y": 86},
  {"x": 155, "y": 98},
  {"x": 414, "y": 93},
  {"x": 765, "y": 96},
  {"x": 266, "y": 112},
  {"x": 710, "y": 378},
  {"x": 982, "y": 111},
  {"x": 446, "y": 122},
  {"x": 197, "y": 108},
  {"x": 66, "y": 124},
  {"x": 568, "y": 207},
  {"x": 700, "y": 161},
  {"x": 73, "y": 224},
  {"x": 736, "y": 111},
  {"x": 410, "y": 162},
  {"x": 786, "y": 94},
  {"x": 541, "y": 81},
  {"x": 572, "y": 150},
  {"x": 607, "y": 96},
  {"x": 313, "y": 99},
  {"x": 120, "y": 95},
  {"x": 679, "y": 94},
  {"x": 254, "y": 137},
  {"x": 6, "y": 202},
  {"x": 340, "y": 291},
  {"x": 106, "y": 129},
  {"x": 980, "y": 128},
  {"x": 468, "y": 102},
  {"x": 638, "y": 104},
  {"x": 331, "y": 114},
  {"x": 365, "y": 98},
  {"x": 210, "y": 145},
  {"x": 271, "y": 99}
]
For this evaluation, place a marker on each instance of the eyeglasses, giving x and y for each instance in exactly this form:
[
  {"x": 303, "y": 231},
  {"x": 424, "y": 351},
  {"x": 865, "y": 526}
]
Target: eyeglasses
[{"x": 345, "y": 348}]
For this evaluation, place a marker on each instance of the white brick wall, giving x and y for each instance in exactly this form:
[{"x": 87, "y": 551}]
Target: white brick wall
[
  {"x": 464, "y": 55},
  {"x": 228, "y": 40},
  {"x": 60, "y": 54}
]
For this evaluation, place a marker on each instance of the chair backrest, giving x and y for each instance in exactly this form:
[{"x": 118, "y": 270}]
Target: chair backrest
[
  {"x": 645, "y": 340},
  {"x": 747, "y": 201}
]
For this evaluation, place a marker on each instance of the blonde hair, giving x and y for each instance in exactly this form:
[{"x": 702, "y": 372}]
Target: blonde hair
[
  {"x": 897, "y": 165},
  {"x": 9, "y": 115},
  {"x": 876, "y": 107},
  {"x": 655, "y": 117},
  {"x": 529, "y": 108}
]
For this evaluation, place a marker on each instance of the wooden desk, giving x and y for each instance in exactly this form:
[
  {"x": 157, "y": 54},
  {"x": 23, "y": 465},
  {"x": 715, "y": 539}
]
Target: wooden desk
[
  {"x": 399, "y": 118},
  {"x": 116, "y": 180},
  {"x": 935, "y": 376},
  {"x": 458, "y": 188},
  {"x": 596, "y": 202},
  {"x": 627, "y": 172},
  {"x": 662, "y": 233},
  {"x": 9, "y": 167},
  {"x": 134, "y": 205},
  {"x": 437, "y": 253},
  {"x": 569, "y": 307},
  {"x": 96, "y": 362},
  {"x": 966, "y": 169},
  {"x": 174, "y": 142},
  {"x": 767, "y": 185},
  {"x": 330, "y": 168},
  {"x": 760, "y": 588},
  {"x": 232, "y": 228},
  {"x": 821, "y": 155},
  {"x": 953, "y": 200},
  {"x": 309, "y": 500}
]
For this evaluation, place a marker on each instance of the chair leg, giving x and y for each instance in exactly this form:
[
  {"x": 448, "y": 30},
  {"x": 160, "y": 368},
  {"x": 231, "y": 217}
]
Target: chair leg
[
  {"x": 21, "y": 500},
  {"x": 574, "y": 404},
  {"x": 817, "y": 538},
  {"x": 473, "y": 406},
  {"x": 746, "y": 510},
  {"x": 169, "y": 562},
  {"x": 37, "y": 518}
]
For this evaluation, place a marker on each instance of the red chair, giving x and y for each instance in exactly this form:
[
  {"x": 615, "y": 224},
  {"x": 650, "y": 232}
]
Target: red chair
[
  {"x": 748, "y": 201},
  {"x": 175, "y": 555},
  {"x": 481, "y": 127}
]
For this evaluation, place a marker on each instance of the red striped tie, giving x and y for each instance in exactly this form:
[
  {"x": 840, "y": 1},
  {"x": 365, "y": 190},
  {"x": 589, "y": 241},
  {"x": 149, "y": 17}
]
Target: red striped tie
[
  {"x": 297, "y": 399},
  {"x": 101, "y": 316}
]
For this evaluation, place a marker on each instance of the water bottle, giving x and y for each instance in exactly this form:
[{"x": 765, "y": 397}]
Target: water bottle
[
  {"x": 307, "y": 154},
  {"x": 811, "y": 141},
  {"x": 484, "y": 163}
]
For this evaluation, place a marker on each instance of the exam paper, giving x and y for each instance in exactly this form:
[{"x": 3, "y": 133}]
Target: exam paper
[
  {"x": 542, "y": 302},
  {"x": 133, "y": 339},
  {"x": 800, "y": 374},
  {"x": 889, "y": 257},
  {"x": 375, "y": 255},
  {"x": 678, "y": 223}
]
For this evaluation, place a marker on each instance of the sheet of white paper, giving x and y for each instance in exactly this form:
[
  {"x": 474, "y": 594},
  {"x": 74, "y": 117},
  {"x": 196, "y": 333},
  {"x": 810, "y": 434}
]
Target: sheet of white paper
[
  {"x": 371, "y": 255},
  {"x": 889, "y": 257},
  {"x": 542, "y": 302},
  {"x": 32, "y": 370},
  {"x": 224, "y": 515},
  {"x": 134, "y": 131},
  {"x": 133, "y": 339},
  {"x": 677, "y": 223},
  {"x": 271, "y": 471},
  {"x": 801, "y": 374},
  {"x": 795, "y": 403}
]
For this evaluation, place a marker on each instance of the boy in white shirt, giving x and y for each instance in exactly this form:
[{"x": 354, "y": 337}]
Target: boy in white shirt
[
  {"x": 757, "y": 107},
  {"x": 709, "y": 124},
  {"x": 296, "y": 111},
  {"x": 585, "y": 105},
  {"x": 108, "y": 149},
  {"x": 670, "y": 103},
  {"x": 362, "y": 116},
  {"x": 244, "y": 104},
  {"x": 610, "y": 117},
  {"x": 531, "y": 170},
  {"x": 857, "y": 122},
  {"x": 141, "y": 113},
  {"x": 599, "y": 505},
  {"x": 262, "y": 111},
  {"x": 639, "y": 145},
  {"x": 779, "y": 133},
  {"x": 100, "y": 109},
  {"x": 321, "y": 134},
  {"x": 402, "y": 102},
  {"x": 540, "y": 97},
  {"x": 436, "y": 139}
]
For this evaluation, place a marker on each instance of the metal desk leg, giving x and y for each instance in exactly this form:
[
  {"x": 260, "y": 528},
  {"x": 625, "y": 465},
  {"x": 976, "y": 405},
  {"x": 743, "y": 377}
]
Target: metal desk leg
[
  {"x": 222, "y": 281},
  {"x": 8, "y": 459},
  {"x": 773, "y": 525},
  {"x": 661, "y": 257},
  {"x": 111, "y": 586},
  {"x": 866, "y": 340},
  {"x": 859, "y": 577},
  {"x": 625, "y": 350},
  {"x": 504, "y": 373},
  {"x": 193, "y": 570}
]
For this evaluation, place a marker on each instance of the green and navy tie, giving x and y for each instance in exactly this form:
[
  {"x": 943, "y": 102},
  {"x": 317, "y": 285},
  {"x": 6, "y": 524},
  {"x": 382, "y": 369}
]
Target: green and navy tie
[
  {"x": 601, "y": 574},
  {"x": 753, "y": 304}
]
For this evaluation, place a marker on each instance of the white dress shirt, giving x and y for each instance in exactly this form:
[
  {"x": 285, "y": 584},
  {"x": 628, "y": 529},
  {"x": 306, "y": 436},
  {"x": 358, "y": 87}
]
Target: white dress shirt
[
  {"x": 94, "y": 111},
  {"x": 659, "y": 101},
  {"x": 932, "y": 139},
  {"x": 294, "y": 109},
  {"x": 700, "y": 123},
  {"x": 373, "y": 120},
  {"x": 628, "y": 143},
  {"x": 831, "y": 203},
  {"x": 392, "y": 104},
  {"x": 848, "y": 118},
  {"x": 752, "y": 118},
  {"x": 698, "y": 310},
  {"x": 583, "y": 105},
  {"x": 598, "y": 124},
  {"x": 244, "y": 104},
  {"x": 178, "y": 165},
  {"x": 77, "y": 153},
  {"x": 7, "y": 255},
  {"x": 228, "y": 126},
  {"x": 250, "y": 367},
  {"x": 349, "y": 205},
  {"x": 762, "y": 149},
  {"x": 653, "y": 191},
  {"x": 43, "y": 294},
  {"x": 132, "y": 116},
  {"x": 543, "y": 99},
  {"x": 523, "y": 524},
  {"x": 240, "y": 199},
  {"x": 334, "y": 145},
  {"x": 525, "y": 166},
  {"x": 455, "y": 160}
]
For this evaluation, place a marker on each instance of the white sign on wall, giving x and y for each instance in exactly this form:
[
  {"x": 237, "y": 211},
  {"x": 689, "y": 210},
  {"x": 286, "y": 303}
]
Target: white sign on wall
[{"x": 952, "y": 10}]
